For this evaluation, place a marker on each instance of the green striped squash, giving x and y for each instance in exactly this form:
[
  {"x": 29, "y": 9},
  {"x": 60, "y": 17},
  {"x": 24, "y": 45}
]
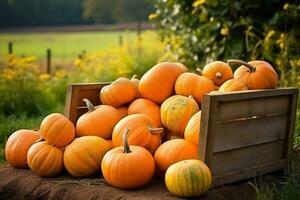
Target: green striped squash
[{"x": 188, "y": 178}]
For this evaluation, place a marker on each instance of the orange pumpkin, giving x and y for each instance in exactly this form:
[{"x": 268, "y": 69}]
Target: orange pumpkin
[
  {"x": 218, "y": 72},
  {"x": 58, "y": 130},
  {"x": 141, "y": 133},
  {"x": 232, "y": 85},
  {"x": 98, "y": 121},
  {"x": 173, "y": 151},
  {"x": 146, "y": 107},
  {"x": 136, "y": 81},
  {"x": 176, "y": 112},
  {"x": 119, "y": 92},
  {"x": 157, "y": 84},
  {"x": 255, "y": 74},
  {"x": 123, "y": 111},
  {"x": 193, "y": 84},
  {"x": 45, "y": 159},
  {"x": 17, "y": 146},
  {"x": 128, "y": 167},
  {"x": 84, "y": 155},
  {"x": 192, "y": 130}
]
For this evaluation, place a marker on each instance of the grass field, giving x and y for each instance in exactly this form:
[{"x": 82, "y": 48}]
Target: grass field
[{"x": 64, "y": 46}]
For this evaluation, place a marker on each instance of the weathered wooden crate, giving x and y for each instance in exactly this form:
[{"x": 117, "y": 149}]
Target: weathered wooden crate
[{"x": 243, "y": 134}]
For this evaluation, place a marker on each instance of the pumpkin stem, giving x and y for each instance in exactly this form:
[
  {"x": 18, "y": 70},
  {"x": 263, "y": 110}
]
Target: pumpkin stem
[
  {"x": 156, "y": 130},
  {"x": 89, "y": 105},
  {"x": 240, "y": 62},
  {"x": 125, "y": 142},
  {"x": 218, "y": 75},
  {"x": 191, "y": 97},
  {"x": 134, "y": 76},
  {"x": 199, "y": 71}
]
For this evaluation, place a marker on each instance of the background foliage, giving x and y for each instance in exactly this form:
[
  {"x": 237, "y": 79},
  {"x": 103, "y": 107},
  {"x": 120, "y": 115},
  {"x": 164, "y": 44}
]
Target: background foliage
[{"x": 200, "y": 31}]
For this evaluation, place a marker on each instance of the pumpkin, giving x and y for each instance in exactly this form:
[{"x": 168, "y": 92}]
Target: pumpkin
[
  {"x": 17, "y": 146},
  {"x": 188, "y": 178},
  {"x": 84, "y": 155},
  {"x": 128, "y": 167},
  {"x": 173, "y": 151},
  {"x": 58, "y": 130},
  {"x": 148, "y": 108},
  {"x": 255, "y": 74},
  {"x": 193, "y": 84},
  {"x": 218, "y": 72},
  {"x": 119, "y": 92},
  {"x": 141, "y": 133},
  {"x": 123, "y": 111},
  {"x": 136, "y": 81},
  {"x": 176, "y": 112},
  {"x": 45, "y": 159},
  {"x": 232, "y": 85},
  {"x": 192, "y": 130},
  {"x": 157, "y": 84},
  {"x": 98, "y": 121}
]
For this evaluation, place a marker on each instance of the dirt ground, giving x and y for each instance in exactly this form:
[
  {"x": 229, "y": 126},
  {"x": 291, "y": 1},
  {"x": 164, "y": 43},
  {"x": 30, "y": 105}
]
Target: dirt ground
[{"x": 17, "y": 184}]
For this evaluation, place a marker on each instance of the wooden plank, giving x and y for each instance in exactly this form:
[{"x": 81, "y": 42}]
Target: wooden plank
[
  {"x": 205, "y": 113},
  {"x": 208, "y": 126},
  {"x": 248, "y": 132},
  {"x": 253, "y": 107},
  {"x": 228, "y": 161},
  {"x": 250, "y": 94},
  {"x": 290, "y": 128},
  {"x": 245, "y": 173},
  {"x": 75, "y": 94}
]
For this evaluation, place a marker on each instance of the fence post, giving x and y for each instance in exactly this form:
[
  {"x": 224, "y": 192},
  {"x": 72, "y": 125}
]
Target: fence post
[
  {"x": 10, "y": 48},
  {"x": 49, "y": 61},
  {"x": 120, "y": 40},
  {"x": 139, "y": 28}
]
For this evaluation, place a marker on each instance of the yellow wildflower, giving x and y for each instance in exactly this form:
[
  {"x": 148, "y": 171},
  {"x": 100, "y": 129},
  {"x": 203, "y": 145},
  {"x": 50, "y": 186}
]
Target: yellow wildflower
[
  {"x": 286, "y": 6},
  {"x": 44, "y": 77},
  {"x": 152, "y": 16},
  {"x": 224, "y": 31},
  {"x": 198, "y": 3}
]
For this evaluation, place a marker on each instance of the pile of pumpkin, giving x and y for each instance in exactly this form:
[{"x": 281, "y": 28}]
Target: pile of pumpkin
[{"x": 142, "y": 126}]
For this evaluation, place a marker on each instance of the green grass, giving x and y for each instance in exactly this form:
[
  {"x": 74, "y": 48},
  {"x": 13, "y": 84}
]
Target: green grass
[{"x": 66, "y": 45}]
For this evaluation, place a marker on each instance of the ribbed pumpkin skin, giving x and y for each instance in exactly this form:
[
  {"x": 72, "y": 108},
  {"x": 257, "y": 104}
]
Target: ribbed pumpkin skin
[
  {"x": 173, "y": 151},
  {"x": 58, "y": 130},
  {"x": 264, "y": 76},
  {"x": 232, "y": 85},
  {"x": 123, "y": 111},
  {"x": 193, "y": 84},
  {"x": 192, "y": 130},
  {"x": 188, "y": 178},
  {"x": 119, "y": 92},
  {"x": 218, "y": 72},
  {"x": 17, "y": 146},
  {"x": 139, "y": 133},
  {"x": 128, "y": 170},
  {"x": 99, "y": 122},
  {"x": 45, "y": 159},
  {"x": 176, "y": 112},
  {"x": 148, "y": 108},
  {"x": 84, "y": 155},
  {"x": 157, "y": 84}
]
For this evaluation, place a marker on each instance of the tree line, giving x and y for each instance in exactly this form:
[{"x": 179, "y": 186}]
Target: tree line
[{"x": 16, "y": 13}]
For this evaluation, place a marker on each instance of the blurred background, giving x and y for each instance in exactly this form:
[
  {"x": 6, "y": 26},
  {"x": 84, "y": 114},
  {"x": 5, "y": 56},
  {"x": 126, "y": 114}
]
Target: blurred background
[{"x": 44, "y": 45}]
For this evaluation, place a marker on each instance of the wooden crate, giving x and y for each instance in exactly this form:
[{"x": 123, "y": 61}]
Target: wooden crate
[{"x": 243, "y": 134}]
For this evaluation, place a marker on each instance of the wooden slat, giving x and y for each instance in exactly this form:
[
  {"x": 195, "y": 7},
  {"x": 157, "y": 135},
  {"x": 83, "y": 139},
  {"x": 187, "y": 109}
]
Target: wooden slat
[
  {"x": 246, "y": 173},
  {"x": 262, "y": 106},
  {"x": 228, "y": 161},
  {"x": 250, "y": 94},
  {"x": 248, "y": 132},
  {"x": 75, "y": 94}
]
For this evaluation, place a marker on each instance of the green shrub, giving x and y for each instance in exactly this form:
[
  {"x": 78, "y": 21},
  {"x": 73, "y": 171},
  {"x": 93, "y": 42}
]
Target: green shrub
[{"x": 200, "y": 31}]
